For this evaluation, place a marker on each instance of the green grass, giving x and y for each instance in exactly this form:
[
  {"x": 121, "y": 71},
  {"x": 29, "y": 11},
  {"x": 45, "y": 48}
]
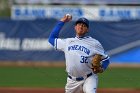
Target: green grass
[
  {"x": 56, "y": 77},
  {"x": 32, "y": 77},
  {"x": 120, "y": 78}
]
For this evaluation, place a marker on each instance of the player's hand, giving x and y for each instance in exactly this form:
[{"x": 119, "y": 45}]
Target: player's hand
[
  {"x": 66, "y": 18},
  {"x": 96, "y": 64},
  {"x": 97, "y": 70}
]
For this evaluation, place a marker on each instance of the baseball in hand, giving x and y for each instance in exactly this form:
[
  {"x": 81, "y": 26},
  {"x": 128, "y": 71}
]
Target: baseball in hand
[{"x": 69, "y": 16}]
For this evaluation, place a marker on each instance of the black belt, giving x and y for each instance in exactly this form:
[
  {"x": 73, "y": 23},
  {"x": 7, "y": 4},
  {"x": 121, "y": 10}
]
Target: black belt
[{"x": 80, "y": 78}]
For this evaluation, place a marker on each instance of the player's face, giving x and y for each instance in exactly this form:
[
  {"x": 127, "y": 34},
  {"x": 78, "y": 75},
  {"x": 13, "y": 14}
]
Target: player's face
[{"x": 81, "y": 29}]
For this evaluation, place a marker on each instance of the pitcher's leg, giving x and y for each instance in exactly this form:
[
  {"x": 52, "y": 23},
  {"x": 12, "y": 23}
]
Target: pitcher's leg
[
  {"x": 90, "y": 84},
  {"x": 74, "y": 86}
]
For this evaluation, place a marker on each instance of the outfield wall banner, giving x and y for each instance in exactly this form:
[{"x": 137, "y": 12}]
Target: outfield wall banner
[
  {"x": 77, "y": 2},
  {"x": 100, "y": 13},
  {"x": 27, "y": 40}
]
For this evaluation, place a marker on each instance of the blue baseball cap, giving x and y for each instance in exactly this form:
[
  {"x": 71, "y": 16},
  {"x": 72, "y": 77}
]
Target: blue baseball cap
[{"x": 83, "y": 20}]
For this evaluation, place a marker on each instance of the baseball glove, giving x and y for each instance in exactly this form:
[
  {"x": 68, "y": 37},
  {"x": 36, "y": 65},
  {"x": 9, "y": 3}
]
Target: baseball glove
[{"x": 96, "y": 64}]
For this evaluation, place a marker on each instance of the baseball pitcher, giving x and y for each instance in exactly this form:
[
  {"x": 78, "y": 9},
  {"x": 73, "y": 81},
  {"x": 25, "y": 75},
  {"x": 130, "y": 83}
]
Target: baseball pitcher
[{"x": 85, "y": 56}]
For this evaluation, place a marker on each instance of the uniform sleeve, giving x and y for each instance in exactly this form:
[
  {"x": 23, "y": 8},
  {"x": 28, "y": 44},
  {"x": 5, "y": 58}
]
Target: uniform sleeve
[
  {"x": 55, "y": 32},
  {"x": 98, "y": 49},
  {"x": 105, "y": 58},
  {"x": 60, "y": 44}
]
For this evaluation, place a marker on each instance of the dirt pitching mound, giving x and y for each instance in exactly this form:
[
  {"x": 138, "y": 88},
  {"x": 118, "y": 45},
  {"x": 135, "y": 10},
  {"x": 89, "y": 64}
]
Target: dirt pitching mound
[{"x": 61, "y": 90}]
